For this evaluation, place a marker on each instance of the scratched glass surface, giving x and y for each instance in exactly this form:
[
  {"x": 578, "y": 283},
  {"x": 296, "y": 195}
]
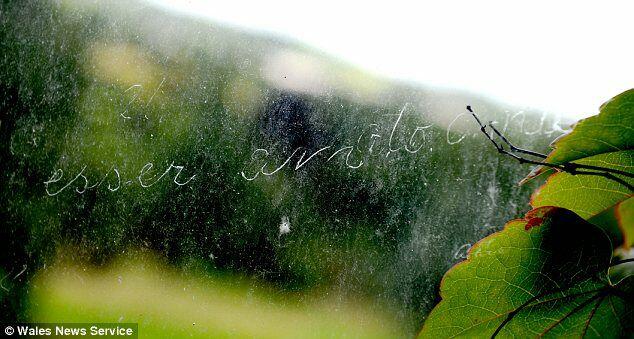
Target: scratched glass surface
[{"x": 142, "y": 145}]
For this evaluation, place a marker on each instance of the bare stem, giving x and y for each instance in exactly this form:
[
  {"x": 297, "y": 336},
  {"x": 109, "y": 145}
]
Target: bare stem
[{"x": 568, "y": 167}]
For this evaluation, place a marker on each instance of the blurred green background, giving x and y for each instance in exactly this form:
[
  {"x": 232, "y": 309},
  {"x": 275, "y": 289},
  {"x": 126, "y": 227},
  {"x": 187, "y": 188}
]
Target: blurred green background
[{"x": 95, "y": 91}]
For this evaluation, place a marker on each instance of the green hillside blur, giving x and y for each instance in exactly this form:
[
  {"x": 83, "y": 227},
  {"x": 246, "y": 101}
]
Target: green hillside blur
[{"x": 93, "y": 92}]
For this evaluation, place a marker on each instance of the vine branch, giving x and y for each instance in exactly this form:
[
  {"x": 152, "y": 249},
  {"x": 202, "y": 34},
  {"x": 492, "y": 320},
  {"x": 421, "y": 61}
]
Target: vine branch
[{"x": 568, "y": 167}]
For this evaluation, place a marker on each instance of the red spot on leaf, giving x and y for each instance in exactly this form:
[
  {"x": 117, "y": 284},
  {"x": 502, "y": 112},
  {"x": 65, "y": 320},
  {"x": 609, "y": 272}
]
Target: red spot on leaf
[
  {"x": 533, "y": 222},
  {"x": 538, "y": 216}
]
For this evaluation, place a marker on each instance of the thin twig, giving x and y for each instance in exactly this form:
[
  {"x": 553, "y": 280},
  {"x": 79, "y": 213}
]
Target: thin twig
[
  {"x": 513, "y": 147},
  {"x": 568, "y": 167}
]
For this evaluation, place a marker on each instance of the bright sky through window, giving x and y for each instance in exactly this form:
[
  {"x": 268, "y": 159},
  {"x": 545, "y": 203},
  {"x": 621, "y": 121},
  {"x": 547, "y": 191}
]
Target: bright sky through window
[{"x": 565, "y": 57}]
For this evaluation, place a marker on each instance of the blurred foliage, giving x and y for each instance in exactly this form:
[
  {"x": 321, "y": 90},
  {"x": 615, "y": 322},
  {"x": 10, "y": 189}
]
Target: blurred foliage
[
  {"x": 167, "y": 303},
  {"x": 89, "y": 87}
]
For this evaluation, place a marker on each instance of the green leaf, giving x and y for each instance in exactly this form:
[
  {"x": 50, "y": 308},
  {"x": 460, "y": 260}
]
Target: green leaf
[
  {"x": 544, "y": 275},
  {"x": 604, "y": 141},
  {"x": 611, "y": 130},
  {"x": 618, "y": 223},
  {"x": 588, "y": 195}
]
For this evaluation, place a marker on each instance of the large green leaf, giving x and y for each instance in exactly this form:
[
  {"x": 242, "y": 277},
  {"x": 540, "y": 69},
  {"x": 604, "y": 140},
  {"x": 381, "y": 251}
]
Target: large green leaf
[
  {"x": 588, "y": 195},
  {"x": 544, "y": 275},
  {"x": 604, "y": 141},
  {"x": 618, "y": 222},
  {"x": 611, "y": 130}
]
